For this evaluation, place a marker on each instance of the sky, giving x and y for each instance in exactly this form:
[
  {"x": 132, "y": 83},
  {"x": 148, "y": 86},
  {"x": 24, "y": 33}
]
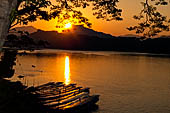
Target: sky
[{"x": 115, "y": 28}]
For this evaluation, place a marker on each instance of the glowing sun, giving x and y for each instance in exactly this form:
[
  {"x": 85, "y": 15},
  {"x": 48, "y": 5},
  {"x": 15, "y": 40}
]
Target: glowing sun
[{"x": 68, "y": 25}]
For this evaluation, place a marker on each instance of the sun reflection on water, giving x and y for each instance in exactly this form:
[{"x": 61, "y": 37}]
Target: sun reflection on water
[{"x": 67, "y": 70}]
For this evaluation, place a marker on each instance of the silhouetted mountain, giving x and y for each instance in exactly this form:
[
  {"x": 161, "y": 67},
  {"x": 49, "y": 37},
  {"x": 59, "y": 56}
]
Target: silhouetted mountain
[
  {"x": 80, "y": 30},
  {"x": 29, "y": 29},
  {"x": 78, "y": 37},
  {"x": 16, "y": 30},
  {"x": 130, "y": 35},
  {"x": 65, "y": 40},
  {"x": 85, "y": 42},
  {"x": 81, "y": 38}
]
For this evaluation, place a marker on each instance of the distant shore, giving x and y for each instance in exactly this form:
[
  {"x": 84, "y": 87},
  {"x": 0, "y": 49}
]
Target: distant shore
[{"x": 85, "y": 39}]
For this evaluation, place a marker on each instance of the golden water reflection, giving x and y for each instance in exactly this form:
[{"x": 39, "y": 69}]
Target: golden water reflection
[{"x": 67, "y": 70}]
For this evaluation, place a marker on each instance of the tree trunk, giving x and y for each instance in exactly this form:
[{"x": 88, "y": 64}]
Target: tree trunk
[{"x": 6, "y": 6}]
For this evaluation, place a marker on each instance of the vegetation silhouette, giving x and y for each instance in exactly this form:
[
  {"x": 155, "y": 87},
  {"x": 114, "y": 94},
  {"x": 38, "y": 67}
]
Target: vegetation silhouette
[
  {"x": 15, "y": 97},
  {"x": 6, "y": 64},
  {"x": 24, "y": 42},
  {"x": 151, "y": 21},
  {"x": 31, "y": 10}
]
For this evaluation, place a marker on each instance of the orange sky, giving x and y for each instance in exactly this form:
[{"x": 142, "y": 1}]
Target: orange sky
[{"x": 130, "y": 7}]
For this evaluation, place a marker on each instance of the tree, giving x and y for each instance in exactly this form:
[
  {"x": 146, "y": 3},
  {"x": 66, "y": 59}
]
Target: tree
[
  {"x": 24, "y": 11},
  {"x": 151, "y": 21},
  {"x": 31, "y": 10},
  {"x": 6, "y": 7}
]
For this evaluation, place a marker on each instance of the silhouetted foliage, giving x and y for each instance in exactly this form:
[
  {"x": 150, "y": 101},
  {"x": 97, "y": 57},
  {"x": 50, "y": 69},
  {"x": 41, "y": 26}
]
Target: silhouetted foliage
[
  {"x": 42, "y": 43},
  {"x": 24, "y": 42},
  {"x": 151, "y": 20},
  {"x": 31, "y": 10},
  {"x": 17, "y": 98},
  {"x": 6, "y": 64},
  {"x": 107, "y": 9},
  {"x": 75, "y": 17}
]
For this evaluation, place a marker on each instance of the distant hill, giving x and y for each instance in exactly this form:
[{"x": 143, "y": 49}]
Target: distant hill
[
  {"x": 81, "y": 30},
  {"x": 77, "y": 37},
  {"x": 65, "y": 40},
  {"x": 29, "y": 29},
  {"x": 130, "y": 35},
  {"x": 80, "y": 41},
  {"x": 76, "y": 30},
  {"x": 81, "y": 38}
]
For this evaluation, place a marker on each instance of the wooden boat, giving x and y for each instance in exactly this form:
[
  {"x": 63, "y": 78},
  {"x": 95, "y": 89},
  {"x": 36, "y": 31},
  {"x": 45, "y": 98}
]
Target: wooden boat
[
  {"x": 77, "y": 106},
  {"x": 65, "y": 101},
  {"x": 65, "y": 95},
  {"x": 49, "y": 85},
  {"x": 56, "y": 92},
  {"x": 65, "y": 98},
  {"x": 52, "y": 87},
  {"x": 85, "y": 100}
]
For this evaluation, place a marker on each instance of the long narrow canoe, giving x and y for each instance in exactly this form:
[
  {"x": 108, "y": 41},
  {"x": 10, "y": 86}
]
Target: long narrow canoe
[
  {"x": 56, "y": 94},
  {"x": 54, "y": 104},
  {"x": 51, "y": 94},
  {"x": 58, "y": 87},
  {"x": 65, "y": 95},
  {"x": 77, "y": 105}
]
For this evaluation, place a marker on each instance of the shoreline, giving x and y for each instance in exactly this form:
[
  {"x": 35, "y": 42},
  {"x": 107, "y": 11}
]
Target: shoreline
[{"x": 133, "y": 53}]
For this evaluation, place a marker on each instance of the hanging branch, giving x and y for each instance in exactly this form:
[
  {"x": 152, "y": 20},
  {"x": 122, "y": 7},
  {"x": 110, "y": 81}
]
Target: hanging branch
[
  {"x": 31, "y": 10},
  {"x": 152, "y": 22}
]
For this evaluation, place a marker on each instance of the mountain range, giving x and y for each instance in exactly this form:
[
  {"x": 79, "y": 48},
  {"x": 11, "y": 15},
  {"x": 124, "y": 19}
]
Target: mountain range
[
  {"x": 81, "y": 30},
  {"x": 74, "y": 38},
  {"x": 75, "y": 30},
  {"x": 29, "y": 29},
  {"x": 81, "y": 38}
]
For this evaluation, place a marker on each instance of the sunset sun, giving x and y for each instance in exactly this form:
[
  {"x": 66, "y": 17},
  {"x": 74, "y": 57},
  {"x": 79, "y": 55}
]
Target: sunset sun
[{"x": 68, "y": 25}]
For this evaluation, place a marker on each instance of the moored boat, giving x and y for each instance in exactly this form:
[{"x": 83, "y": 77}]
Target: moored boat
[
  {"x": 65, "y": 95},
  {"x": 65, "y": 98}
]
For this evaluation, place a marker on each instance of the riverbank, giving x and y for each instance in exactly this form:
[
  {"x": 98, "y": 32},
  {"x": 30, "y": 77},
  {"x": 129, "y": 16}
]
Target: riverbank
[{"x": 16, "y": 98}]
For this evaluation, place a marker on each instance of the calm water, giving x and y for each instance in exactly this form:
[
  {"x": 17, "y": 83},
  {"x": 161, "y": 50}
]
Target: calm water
[{"x": 127, "y": 82}]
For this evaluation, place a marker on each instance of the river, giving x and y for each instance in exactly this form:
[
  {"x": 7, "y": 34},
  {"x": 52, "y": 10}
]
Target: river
[{"x": 126, "y": 82}]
